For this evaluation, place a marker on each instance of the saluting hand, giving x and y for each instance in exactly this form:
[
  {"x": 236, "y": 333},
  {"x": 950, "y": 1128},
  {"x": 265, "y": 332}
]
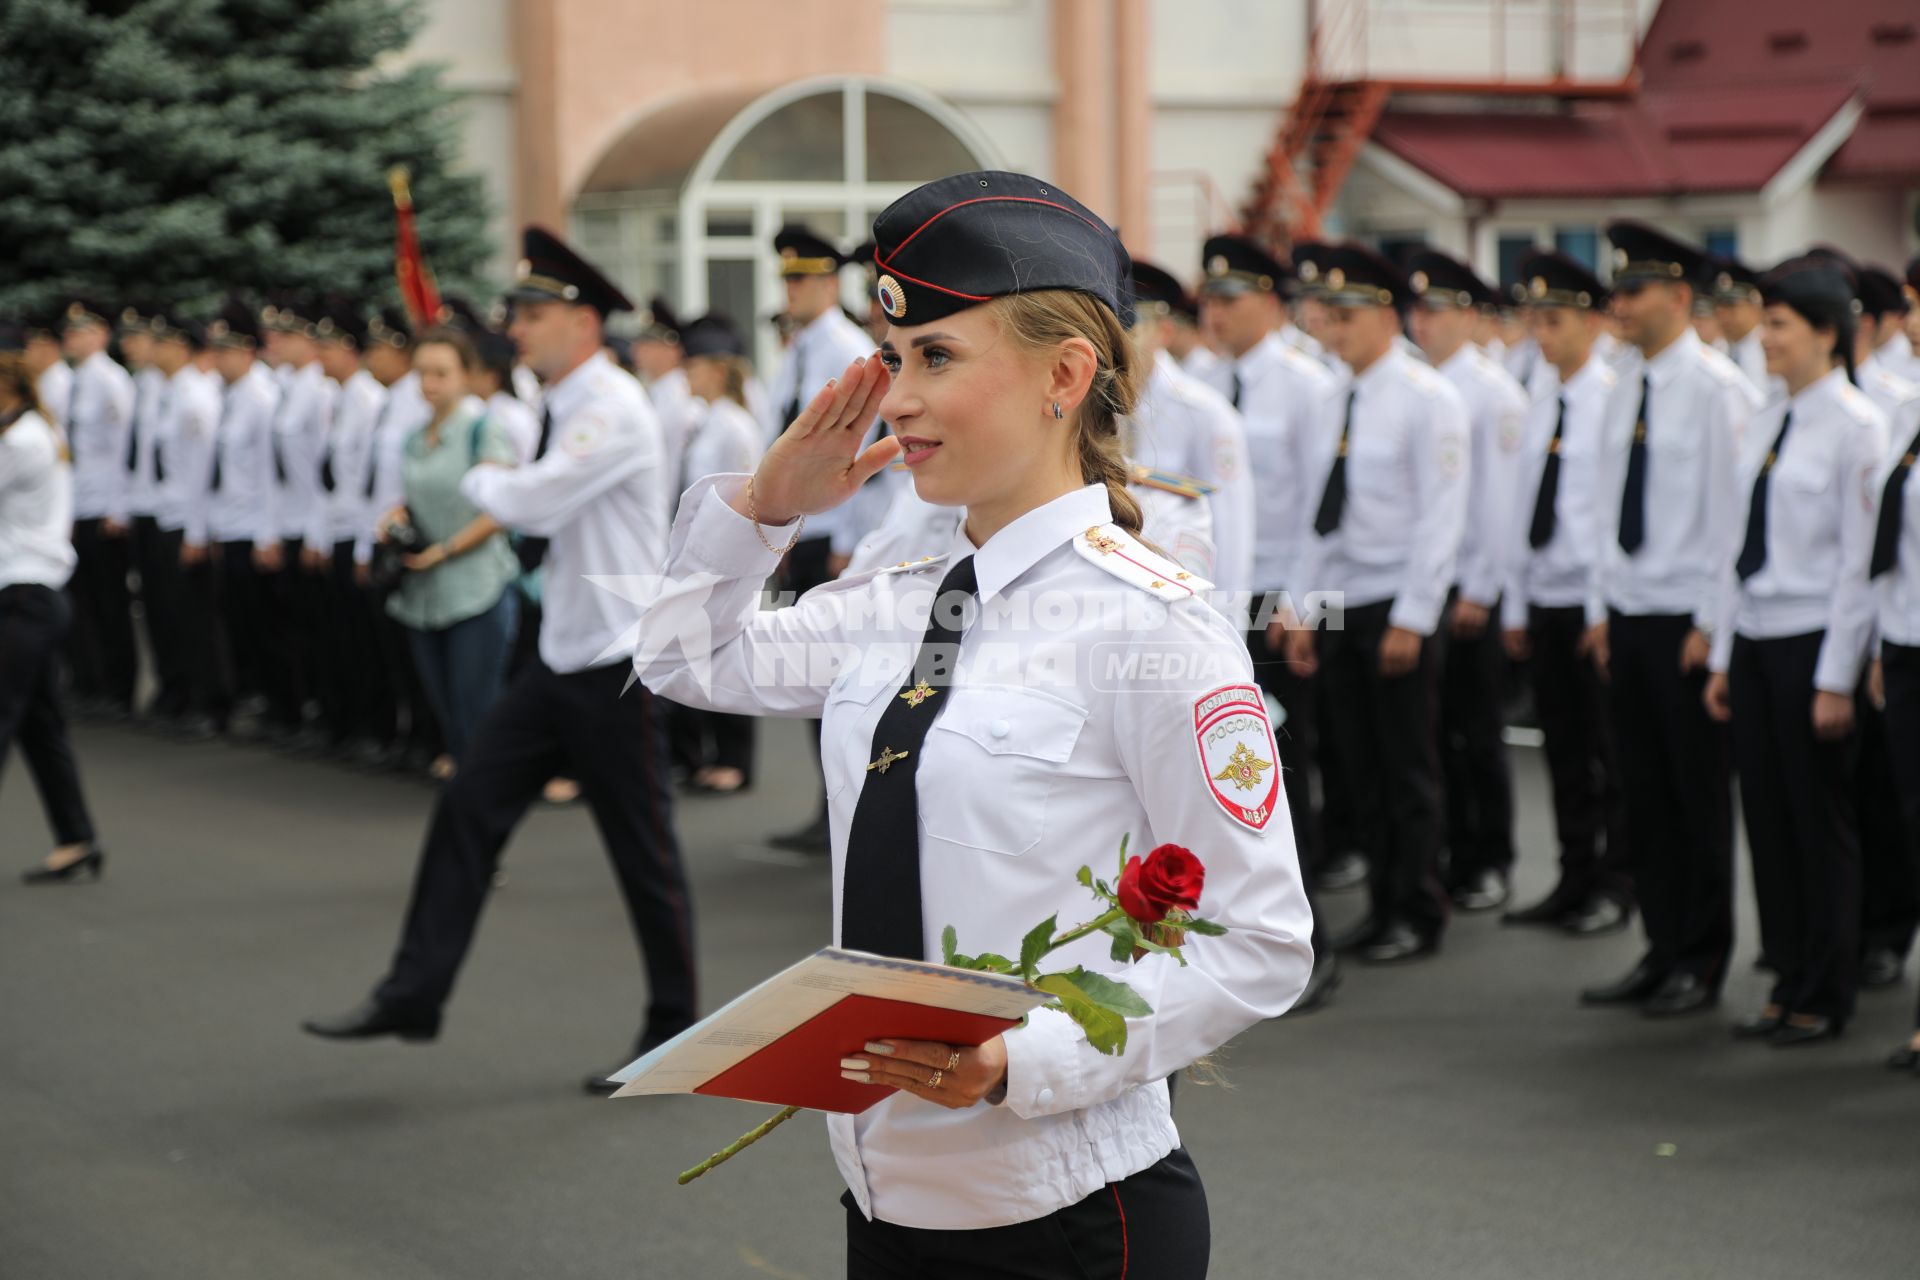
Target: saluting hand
[
  {"x": 817, "y": 462},
  {"x": 948, "y": 1075}
]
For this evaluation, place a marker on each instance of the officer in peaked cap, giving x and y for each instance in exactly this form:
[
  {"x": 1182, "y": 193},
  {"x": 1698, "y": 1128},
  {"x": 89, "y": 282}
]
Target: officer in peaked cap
[
  {"x": 1236, "y": 266},
  {"x": 597, "y": 491},
  {"x": 1734, "y": 289},
  {"x": 1450, "y": 300},
  {"x": 99, "y": 429},
  {"x": 145, "y": 474},
  {"x": 659, "y": 357},
  {"x": 1388, "y": 474}
]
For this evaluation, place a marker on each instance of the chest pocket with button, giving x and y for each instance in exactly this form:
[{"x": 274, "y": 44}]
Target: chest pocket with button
[{"x": 993, "y": 760}]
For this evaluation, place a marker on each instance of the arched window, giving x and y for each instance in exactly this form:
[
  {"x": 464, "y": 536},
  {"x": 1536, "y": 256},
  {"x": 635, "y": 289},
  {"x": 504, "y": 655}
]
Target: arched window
[{"x": 686, "y": 204}]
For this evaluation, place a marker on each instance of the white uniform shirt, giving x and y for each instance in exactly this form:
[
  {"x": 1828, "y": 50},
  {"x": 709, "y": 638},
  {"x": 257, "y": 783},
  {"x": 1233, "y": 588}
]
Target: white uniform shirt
[
  {"x": 722, "y": 438},
  {"x": 405, "y": 412},
  {"x": 348, "y": 460},
  {"x": 1897, "y": 591},
  {"x": 1751, "y": 359},
  {"x": 1205, "y": 364},
  {"x": 518, "y": 420},
  {"x": 54, "y": 386},
  {"x": 98, "y": 427},
  {"x": 1523, "y": 363},
  {"x": 1820, "y": 526},
  {"x": 1303, "y": 342},
  {"x": 149, "y": 425},
  {"x": 1559, "y": 575},
  {"x": 1282, "y": 398},
  {"x": 1496, "y": 415},
  {"x": 299, "y": 441},
  {"x": 1698, "y": 405},
  {"x": 192, "y": 424},
  {"x": 1897, "y": 356},
  {"x": 1185, "y": 426},
  {"x": 598, "y": 494},
  {"x": 820, "y": 352},
  {"x": 240, "y": 500},
  {"x": 1041, "y": 759},
  {"x": 674, "y": 405},
  {"x": 1409, "y": 455},
  {"x": 36, "y": 504}
]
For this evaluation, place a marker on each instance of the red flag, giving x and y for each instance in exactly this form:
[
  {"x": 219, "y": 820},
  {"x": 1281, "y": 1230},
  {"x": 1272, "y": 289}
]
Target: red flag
[{"x": 417, "y": 289}]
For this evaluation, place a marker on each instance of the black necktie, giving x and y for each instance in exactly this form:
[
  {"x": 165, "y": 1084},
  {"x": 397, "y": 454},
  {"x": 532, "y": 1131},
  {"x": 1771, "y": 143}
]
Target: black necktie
[
  {"x": 1886, "y": 536},
  {"x": 133, "y": 435},
  {"x": 1753, "y": 552},
  {"x": 326, "y": 468},
  {"x": 373, "y": 447},
  {"x": 1540, "y": 533},
  {"x": 799, "y": 387},
  {"x": 1633, "y": 498},
  {"x": 1333, "y": 498},
  {"x": 880, "y": 887},
  {"x": 279, "y": 462},
  {"x": 532, "y": 551},
  {"x": 220, "y": 434},
  {"x": 160, "y": 446},
  {"x": 1234, "y": 395}
]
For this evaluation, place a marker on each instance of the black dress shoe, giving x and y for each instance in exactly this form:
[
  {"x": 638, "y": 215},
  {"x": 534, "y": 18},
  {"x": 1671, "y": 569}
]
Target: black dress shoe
[
  {"x": 1550, "y": 910},
  {"x": 1905, "y": 1058},
  {"x": 1681, "y": 993},
  {"x": 1320, "y": 984},
  {"x": 1344, "y": 871},
  {"x": 1881, "y": 967},
  {"x": 1788, "y": 1033},
  {"x": 602, "y": 1083},
  {"x": 815, "y": 838},
  {"x": 1759, "y": 1026},
  {"x": 90, "y": 865},
  {"x": 1640, "y": 983},
  {"x": 1364, "y": 934},
  {"x": 1603, "y": 913},
  {"x": 1400, "y": 944},
  {"x": 1483, "y": 891},
  {"x": 375, "y": 1018}
]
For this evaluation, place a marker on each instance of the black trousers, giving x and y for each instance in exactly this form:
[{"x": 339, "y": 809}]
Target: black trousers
[
  {"x": 1300, "y": 744},
  {"x": 1889, "y": 896},
  {"x": 297, "y": 622},
  {"x": 33, "y": 621},
  {"x": 1152, "y": 1226},
  {"x": 1900, "y": 667},
  {"x": 1473, "y": 755},
  {"x": 581, "y": 726},
  {"x": 1674, "y": 777},
  {"x": 100, "y": 641},
  {"x": 156, "y": 562},
  {"x": 244, "y": 614},
  {"x": 355, "y": 692},
  {"x": 1797, "y": 793},
  {"x": 1589, "y": 813},
  {"x": 206, "y": 650},
  {"x": 700, "y": 738},
  {"x": 1385, "y": 731}
]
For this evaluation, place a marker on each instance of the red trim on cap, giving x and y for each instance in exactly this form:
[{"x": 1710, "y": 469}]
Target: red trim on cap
[{"x": 890, "y": 269}]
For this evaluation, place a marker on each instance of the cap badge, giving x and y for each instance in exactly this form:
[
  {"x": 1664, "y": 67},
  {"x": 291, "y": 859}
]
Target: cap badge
[
  {"x": 1418, "y": 282},
  {"x": 893, "y": 299},
  {"x": 1217, "y": 265},
  {"x": 1336, "y": 279},
  {"x": 1309, "y": 271},
  {"x": 1619, "y": 259},
  {"x": 1539, "y": 286}
]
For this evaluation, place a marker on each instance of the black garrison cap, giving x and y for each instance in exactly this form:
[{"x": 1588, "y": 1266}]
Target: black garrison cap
[
  {"x": 1552, "y": 279},
  {"x": 1439, "y": 282},
  {"x": 1352, "y": 275},
  {"x": 549, "y": 271},
  {"x": 960, "y": 241},
  {"x": 712, "y": 335},
  {"x": 1237, "y": 264},
  {"x": 1645, "y": 255}
]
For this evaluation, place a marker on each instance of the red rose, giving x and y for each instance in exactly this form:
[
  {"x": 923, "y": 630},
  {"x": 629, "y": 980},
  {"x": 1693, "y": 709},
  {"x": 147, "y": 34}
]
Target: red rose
[{"x": 1168, "y": 880}]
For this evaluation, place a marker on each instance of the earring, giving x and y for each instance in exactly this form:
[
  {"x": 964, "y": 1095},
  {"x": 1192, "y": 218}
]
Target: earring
[{"x": 1057, "y": 415}]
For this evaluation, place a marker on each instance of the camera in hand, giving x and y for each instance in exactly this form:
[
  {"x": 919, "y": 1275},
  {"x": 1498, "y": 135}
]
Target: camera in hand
[{"x": 402, "y": 539}]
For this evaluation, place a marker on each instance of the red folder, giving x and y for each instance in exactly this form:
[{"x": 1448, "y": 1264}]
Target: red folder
[{"x": 802, "y": 1068}]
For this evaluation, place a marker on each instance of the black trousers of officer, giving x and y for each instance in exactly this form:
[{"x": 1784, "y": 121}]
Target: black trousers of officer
[
  {"x": 700, "y": 738},
  {"x": 1900, "y": 669},
  {"x": 1151, "y": 1226},
  {"x": 1473, "y": 755},
  {"x": 547, "y": 724},
  {"x": 1889, "y": 896},
  {"x": 101, "y": 638},
  {"x": 1386, "y": 733},
  {"x": 33, "y": 621},
  {"x": 244, "y": 611},
  {"x": 1589, "y": 812},
  {"x": 159, "y": 601},
  {"x": 206, "y": 651},
  {"x": 355, "y": 693},
  {"x": 1797, "y": 795},
  {"x": 1675, "y": 780},
  {"x": 1301, "y": 750}
]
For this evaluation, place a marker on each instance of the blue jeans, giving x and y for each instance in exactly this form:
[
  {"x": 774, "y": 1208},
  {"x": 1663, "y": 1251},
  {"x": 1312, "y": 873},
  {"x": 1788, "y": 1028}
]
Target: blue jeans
[{"x": 463, "y": 667}]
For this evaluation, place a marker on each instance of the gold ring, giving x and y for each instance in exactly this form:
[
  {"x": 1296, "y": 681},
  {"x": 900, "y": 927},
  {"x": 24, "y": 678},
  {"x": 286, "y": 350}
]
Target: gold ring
[
  {"x": 938, "y": 1076},
  {"x": 953, "y": 1063}
]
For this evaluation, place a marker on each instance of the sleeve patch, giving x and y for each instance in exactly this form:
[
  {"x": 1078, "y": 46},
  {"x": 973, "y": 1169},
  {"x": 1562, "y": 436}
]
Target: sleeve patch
[{"x": 1239, "y": 764}]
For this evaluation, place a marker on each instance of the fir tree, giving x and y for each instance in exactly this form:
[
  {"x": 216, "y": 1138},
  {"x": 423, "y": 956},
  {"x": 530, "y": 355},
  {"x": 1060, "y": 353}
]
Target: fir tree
[{"x": 175, "y": 150}]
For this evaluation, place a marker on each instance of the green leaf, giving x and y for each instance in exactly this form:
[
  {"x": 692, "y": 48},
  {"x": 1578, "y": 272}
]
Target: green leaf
[
  {"x": 1153, "y": 948},
  {"x": 987, "y": 962},
  {"x": 1085, "y": 876},
  {"x": 1117, "y": 997},
  {"x": 949, "y": 944},
  {"x": 1122, "y": 952},
  {"x": 1206, "y": 928},
  {"x": 1037, "y": 943},
  {"x": 1106, "y": 1030},
  {"x": 1123, "y": 853},
  {"x": 1103, "y": 889}
]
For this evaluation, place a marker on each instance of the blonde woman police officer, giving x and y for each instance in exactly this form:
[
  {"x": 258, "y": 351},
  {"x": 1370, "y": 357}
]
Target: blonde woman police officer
[{"x": 993, "y": 718}]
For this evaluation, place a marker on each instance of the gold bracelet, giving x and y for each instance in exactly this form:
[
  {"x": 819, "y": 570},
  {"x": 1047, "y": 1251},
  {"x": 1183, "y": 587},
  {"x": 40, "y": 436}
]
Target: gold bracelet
[{"x": 753, "y": 515}]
